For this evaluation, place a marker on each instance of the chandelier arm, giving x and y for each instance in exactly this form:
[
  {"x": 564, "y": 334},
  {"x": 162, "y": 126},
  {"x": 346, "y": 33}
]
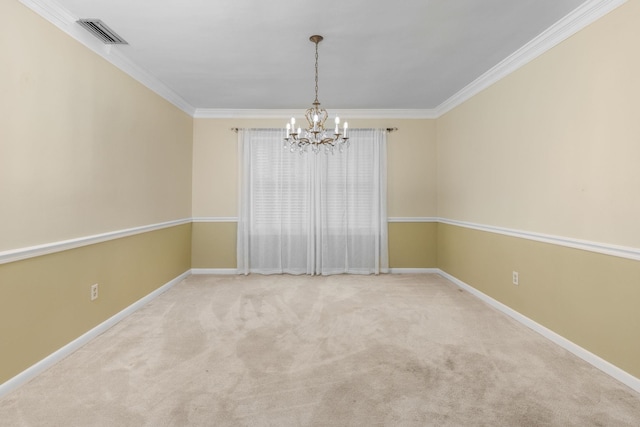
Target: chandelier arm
[{"x": 315, "y": 135}]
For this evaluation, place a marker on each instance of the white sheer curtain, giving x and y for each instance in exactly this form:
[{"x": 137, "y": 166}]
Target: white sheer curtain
[{"x": 312, "y": 213}]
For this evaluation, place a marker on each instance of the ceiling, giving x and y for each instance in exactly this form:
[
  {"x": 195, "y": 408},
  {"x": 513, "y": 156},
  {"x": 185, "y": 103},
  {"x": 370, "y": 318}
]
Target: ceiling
[{"x": 376, "y": 54}]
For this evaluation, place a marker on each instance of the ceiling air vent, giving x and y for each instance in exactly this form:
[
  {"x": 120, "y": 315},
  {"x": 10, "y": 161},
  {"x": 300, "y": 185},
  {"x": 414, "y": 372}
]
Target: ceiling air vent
[{"x": 101, "y": 31}]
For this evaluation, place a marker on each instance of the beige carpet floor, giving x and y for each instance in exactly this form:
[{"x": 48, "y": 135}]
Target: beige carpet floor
[{"x": 390, "y": 350}]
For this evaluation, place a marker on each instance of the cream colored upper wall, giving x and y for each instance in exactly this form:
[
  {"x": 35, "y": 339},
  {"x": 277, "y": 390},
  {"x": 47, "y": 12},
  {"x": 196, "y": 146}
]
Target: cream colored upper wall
[
  {"x": 554, "y": 147},
  {"x": 411, "y": 165},
  {"x": 84, "y": 148}
]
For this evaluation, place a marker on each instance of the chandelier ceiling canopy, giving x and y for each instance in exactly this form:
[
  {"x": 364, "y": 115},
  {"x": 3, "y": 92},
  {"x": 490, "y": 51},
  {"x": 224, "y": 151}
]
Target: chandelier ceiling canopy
[{"x": 315, "y": 135}]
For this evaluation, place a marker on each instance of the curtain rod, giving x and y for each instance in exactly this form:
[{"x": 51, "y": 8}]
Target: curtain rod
[{"x": 387, "y": 129}]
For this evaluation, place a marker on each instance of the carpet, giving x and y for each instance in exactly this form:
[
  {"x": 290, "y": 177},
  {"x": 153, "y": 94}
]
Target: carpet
[{"x": 345, "y": 350}]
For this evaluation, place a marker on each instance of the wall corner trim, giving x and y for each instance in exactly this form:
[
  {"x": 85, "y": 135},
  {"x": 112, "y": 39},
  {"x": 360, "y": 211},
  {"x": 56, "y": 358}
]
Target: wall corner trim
[
  {"x": 414, "y": 271},
  {"x": 412, "y": 219},
  {"x": 390, "y": 219},
  {"x": 215, "y": 219},
  {"x": 585, "y": 245},
  {"x": 596, "y": 361},
  {"x": 227, "y": 271},
  {"x": 56, "y": 14},
  {"x": 584, "y": 15},
  {"x": 217, "y": 271},
  {"x": 228, "y": 113},
  {"x": 49, "y": 248},
  {"x": 83, "y": 339}
]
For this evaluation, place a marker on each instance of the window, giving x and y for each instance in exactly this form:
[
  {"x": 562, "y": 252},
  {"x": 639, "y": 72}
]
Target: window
[{"x": 312, "y": 213}]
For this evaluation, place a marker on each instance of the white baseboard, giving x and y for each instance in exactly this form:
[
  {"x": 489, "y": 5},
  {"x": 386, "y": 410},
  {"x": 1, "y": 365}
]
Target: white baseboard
[
  {"x": 606, "y": 367},
  {"x": 414, "y": 270},
  {"x": 596, "y": 361},
  {"x": 196, "y": 271},
  {"x": 63, "y": 352}
]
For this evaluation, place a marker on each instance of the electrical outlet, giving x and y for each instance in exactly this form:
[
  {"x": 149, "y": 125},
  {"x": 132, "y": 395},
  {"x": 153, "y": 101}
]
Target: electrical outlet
[
  {"x": 516, "y": 279},
  {"x": 94, "y": 291}
]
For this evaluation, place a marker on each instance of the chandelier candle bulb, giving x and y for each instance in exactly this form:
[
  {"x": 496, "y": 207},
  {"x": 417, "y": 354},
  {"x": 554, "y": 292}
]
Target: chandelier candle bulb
[
  {"x": 288, "y": 129},
  {"x": 316, "y": 137}
]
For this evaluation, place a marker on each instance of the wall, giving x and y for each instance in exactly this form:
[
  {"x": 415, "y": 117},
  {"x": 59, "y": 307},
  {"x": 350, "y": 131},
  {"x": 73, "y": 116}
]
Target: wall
[
  {"x": 553, "y": 150},
  {"x": 45, "y": 304},
  {"x": 550, "y": 149},
  {"x": 84, "y": 150},
  {"x": 79, "y": 136},
  {"x": 411, "y": 189}
]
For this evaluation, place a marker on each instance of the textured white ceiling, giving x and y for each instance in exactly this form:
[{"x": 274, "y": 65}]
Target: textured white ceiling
[{"x": 377, "y": 54}]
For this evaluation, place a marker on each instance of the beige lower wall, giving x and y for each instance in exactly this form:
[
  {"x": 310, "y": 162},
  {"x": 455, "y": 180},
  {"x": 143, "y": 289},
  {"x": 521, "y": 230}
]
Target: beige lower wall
[
  {"x": 411, "y": 245},
  {"x": 213, "y": 245},
  {"x": 45, "y": 304},
  {"x": 588, "y": 298}
]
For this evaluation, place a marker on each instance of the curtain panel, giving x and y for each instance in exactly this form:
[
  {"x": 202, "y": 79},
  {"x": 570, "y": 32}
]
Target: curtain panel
[{"x": 312, "y": 213}]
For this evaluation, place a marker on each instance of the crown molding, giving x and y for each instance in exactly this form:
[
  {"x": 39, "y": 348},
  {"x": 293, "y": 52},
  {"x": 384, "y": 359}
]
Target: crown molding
[
  {"x": 230, "y": 113},
  {"x": 53, "y": 12},
  {"x": 222, "y": 113},
  {"x": 148, "y": 80},
  {"x": 581, "y": 17}
]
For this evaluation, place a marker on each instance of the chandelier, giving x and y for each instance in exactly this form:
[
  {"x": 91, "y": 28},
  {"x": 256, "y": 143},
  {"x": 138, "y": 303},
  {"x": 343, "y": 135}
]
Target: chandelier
[{"x": 315, "y": 135}]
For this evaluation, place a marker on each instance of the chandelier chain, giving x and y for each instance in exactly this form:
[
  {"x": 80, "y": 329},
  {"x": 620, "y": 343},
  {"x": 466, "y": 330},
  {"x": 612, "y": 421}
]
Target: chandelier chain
[
  {"x": 315, "y": 136},
  {"x": 316, "y": 72}
]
